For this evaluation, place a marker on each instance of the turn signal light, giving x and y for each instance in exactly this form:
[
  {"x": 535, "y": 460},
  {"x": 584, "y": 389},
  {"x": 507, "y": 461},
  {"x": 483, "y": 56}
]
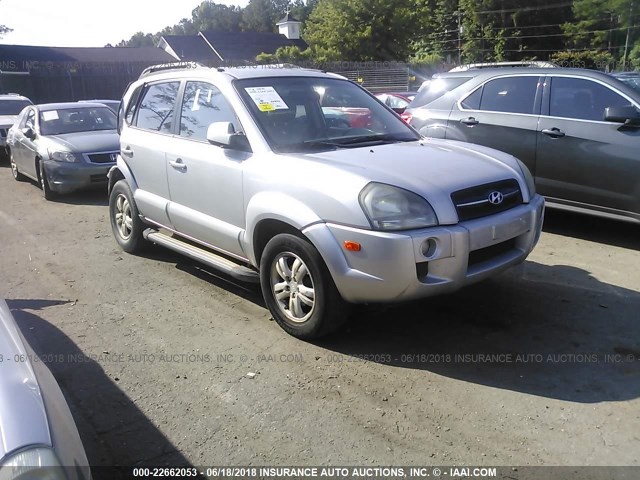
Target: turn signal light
[{"x": 352, "y": 246}]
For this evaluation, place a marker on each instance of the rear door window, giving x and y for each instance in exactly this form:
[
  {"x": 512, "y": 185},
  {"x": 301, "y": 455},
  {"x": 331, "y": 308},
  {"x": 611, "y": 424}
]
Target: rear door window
[
  {"x": 436, "y": 88},
  {"x": 510, "y": 95}
]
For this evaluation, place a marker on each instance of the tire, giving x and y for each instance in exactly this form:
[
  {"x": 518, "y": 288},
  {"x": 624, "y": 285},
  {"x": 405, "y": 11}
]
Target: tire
[
  {"x": 298, "y": 288},
  {"x": 17, "y": 176},
  {"x": 125, "y": 220},
  {"x": 44, "y": 183}
]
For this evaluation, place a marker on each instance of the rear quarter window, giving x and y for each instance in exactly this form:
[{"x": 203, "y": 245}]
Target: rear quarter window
[{"x": 436, "y": 88}]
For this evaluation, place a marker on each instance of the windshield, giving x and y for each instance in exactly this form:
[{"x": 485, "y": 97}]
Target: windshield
[
  {"x": 78, "y": 119},
  {"x": 12, "y": 107},
  {"x": 301, "y": 114},
  {"x": 633, "y": 82}
]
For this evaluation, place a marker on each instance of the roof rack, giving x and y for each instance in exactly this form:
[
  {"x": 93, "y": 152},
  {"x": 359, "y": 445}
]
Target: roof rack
[{"x": 164, "y": 67}]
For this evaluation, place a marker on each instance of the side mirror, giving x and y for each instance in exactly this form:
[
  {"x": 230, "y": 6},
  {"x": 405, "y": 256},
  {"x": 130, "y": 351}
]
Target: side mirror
[
  {"x": 627, "y": 115},
  {"x": 29, "y": 133},
  {"x": 223, "y": 134}
]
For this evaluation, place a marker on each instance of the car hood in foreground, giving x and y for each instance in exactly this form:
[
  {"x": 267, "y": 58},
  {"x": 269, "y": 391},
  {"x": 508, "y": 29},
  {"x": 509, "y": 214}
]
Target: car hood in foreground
[
  {"x": 85, "y": 142},
  {"x": 23, "y": 418},
  {"x": 431, "y": 168}
]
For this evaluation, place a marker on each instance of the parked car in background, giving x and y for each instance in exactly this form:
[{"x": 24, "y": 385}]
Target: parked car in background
[
  {"x": 39, "y": 436},
  {"x": 11, "y": 105},
  {"x": 630, "y": 78},
  {"x": 396, "y": 101},
  {"x": 239, "y": 169},
  {"x": 578, "y": 131},
  {"x": 64, "y": 146},
  {"x": 112, "y": 104},
  {"x": 517, "y": 64}
]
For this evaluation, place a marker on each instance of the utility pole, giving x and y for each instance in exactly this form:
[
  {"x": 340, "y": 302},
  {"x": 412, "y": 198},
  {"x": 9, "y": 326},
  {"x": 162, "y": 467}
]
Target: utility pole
[
  {"x": 459, "y": 13},
  {"x": 626, "y": 42}
]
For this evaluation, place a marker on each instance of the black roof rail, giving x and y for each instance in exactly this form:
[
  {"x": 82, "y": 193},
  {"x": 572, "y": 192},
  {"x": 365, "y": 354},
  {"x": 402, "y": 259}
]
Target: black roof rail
[{"x": 164, "y": 67}]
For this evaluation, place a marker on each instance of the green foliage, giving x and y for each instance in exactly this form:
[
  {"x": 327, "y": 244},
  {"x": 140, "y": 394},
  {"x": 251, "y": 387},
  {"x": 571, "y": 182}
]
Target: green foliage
[
  {"x": 362, "y": 29},
  {"x": 430, "y": 32},
  {"x": 594, "y": 59},
  {"x": 634, "y": 56}
]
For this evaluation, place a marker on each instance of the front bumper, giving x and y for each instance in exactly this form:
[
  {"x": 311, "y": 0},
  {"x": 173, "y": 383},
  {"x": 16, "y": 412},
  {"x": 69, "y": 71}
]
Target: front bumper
[
  {"x": 68, "y": 177},
  {"x": 394, "y": 267}
]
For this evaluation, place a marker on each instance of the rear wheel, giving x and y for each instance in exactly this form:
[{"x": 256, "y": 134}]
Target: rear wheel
[
  {"x": 44, "y": 182},
  {"x": 14, "y": 169},
  {"x": 125, "y": 220},
  {"x": 298, "y": 288}
]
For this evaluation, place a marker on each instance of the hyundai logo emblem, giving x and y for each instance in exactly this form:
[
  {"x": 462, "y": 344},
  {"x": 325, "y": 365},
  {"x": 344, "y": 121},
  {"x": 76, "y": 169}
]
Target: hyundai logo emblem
[{"x": 496, "y": 197}]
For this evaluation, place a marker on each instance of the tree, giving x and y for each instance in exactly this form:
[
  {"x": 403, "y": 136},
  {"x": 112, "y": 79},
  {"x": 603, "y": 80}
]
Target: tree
[
  {"x": 262, "y": 15},
  {"x": 496, "y": 30},
  {"x": 362, "y": 29},
  {"x": 213, "y": 16}
]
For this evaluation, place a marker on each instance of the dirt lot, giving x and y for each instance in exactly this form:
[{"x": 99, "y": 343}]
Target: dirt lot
[{"x": 540, "y": 366}]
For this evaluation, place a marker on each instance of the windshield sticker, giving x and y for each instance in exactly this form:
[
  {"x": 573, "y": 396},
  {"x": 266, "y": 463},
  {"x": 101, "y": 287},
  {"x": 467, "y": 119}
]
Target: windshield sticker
[
  {"x": 50, "y": 115},
  {"x": 266, "y": 98}
]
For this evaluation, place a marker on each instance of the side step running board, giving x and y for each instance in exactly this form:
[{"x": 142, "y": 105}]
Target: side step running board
[{"x": 211, "y": 259}]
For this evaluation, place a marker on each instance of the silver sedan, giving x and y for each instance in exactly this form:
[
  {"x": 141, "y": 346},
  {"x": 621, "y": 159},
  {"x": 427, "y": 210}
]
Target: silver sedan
[
  {"x": 64, "y": 146},
  {"x": 39, "y": 438}
]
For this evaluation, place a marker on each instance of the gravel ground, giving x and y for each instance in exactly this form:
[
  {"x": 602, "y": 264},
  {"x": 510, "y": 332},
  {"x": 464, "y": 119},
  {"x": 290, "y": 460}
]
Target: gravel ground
[{"x": 539, "y": 366}]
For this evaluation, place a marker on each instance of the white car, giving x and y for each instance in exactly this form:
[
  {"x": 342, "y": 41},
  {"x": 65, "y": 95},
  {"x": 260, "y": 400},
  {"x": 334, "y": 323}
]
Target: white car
[
  {"x": 11, "y": 104},
  {"x": 38, "y": 437}
]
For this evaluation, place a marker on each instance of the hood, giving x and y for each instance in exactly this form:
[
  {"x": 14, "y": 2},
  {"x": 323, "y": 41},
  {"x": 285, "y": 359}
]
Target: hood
[
  {"x": 86, "y": 142},
  {"x": 23, "y": 418},
  {"x": 431, "y": 168},
  {"x": 6, "y": 121}
]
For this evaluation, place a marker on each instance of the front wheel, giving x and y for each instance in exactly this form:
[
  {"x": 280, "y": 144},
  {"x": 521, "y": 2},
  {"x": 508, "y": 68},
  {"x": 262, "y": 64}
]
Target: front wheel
[
  {"x": 125, "y": 221},
  {"x": 298, "y": 288},
  {"x": 44, "y": 183}
]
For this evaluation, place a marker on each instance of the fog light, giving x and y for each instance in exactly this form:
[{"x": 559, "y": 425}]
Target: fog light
[{"x": 429, "y": 247}]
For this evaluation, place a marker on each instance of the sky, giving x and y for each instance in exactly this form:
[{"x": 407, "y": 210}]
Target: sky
[{"x": 90, "y": 23}]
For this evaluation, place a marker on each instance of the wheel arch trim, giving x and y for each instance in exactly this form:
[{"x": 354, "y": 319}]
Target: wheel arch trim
[{"x": 119, "y": 171}]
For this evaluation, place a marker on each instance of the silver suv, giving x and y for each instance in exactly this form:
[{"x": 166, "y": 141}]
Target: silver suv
[{"x": 304, "y": 182}]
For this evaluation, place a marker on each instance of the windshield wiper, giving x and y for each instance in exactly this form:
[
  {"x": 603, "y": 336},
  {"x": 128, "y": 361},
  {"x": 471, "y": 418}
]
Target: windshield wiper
[{"x": 375, "y": 138}]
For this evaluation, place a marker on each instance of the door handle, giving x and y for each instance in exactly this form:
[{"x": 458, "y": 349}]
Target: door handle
[
  {"x": 178, "y": 164},
  {"x": 127, "y": 152},
  {"x": 553, "y": 132},
  {"x": 470, "y": 122}
]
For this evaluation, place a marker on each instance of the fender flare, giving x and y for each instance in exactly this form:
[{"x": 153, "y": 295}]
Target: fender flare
[
  {"x": 278, "y": 206},
  {"x": 119, "y": 171}
]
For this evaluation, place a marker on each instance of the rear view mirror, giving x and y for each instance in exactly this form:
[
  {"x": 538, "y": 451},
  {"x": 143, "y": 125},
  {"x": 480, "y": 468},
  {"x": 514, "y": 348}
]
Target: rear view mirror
[
  {"x": 223, "y": 134},
  {"x": 219, "y": 133},
  {"x": 627, "y": 115}
]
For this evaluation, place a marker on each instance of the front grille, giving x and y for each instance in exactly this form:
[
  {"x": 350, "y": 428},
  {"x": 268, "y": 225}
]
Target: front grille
[
  {"x": 3, "y": 132},
  {"x": 488, "y": 253},
  {"x": 474, "y": 202},
  {"x": 98, "y": 178},
  {"x": 102, "y": 157}
]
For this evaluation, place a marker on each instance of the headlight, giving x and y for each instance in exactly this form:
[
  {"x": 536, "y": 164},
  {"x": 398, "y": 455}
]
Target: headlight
[
  {"x": 61, "y": 156},
  {"x": 531, "y": 184},
  {"x": 36, "y": 463},
  {"x": 393, "y": 208}
]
